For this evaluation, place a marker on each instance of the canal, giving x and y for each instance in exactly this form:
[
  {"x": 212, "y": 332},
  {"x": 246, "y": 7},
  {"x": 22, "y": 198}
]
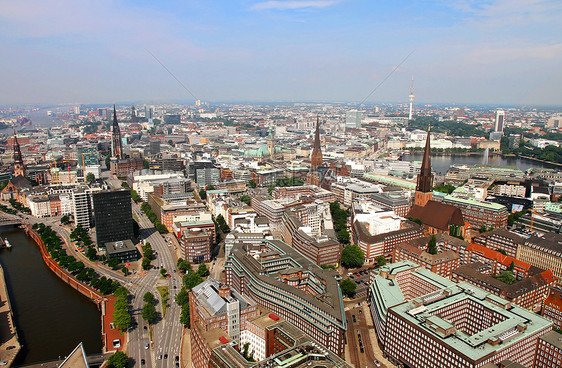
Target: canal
[
  {"x": 51, "y": 317},
  {"x": 441, "y": 163}
]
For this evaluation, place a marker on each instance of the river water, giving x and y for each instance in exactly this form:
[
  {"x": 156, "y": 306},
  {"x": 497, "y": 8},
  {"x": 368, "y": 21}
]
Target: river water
[
  {"x": 441, "y": 164},
  {"x": 51, "y": 317}
]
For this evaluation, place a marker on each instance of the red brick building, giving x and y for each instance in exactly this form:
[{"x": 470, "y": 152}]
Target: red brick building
[
  {"x": 442, "y": 263},
  {"x": 552, "y": 308},
  {"x": 549, "y": 351}
]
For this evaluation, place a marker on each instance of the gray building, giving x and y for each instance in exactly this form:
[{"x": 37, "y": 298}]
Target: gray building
[
  {"x": 113, "y": 216},
  {"x": 353, "y": 119},
  {"x": 124, "y": 250},
  {"x": 207, "y": 176}
]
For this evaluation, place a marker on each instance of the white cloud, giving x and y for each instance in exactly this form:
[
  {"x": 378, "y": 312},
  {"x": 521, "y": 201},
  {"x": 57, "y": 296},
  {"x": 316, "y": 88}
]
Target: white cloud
[{"x": 292, "y": 4}]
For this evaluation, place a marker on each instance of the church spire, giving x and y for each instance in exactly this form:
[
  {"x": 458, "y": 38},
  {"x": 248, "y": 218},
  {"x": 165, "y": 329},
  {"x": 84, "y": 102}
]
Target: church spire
[
  {"x": 424, "y": 187},
  {"x": 316, "y": 157},
  {"x": 116, "y": 145},
  {"x": 19, "y": 166}
]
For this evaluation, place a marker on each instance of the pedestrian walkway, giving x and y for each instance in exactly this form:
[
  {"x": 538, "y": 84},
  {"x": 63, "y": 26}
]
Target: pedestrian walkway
[
  {"x": 186, "y": 349},
  {"x": 10, "y": 345}
]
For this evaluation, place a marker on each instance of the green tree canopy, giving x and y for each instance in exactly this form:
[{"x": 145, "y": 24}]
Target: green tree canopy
[
  {"x": 381, "y": 261},
  {"x": 148, "y": 297},
  {"x": 352, "y": 256},
  {"x": 246, "y": 199},
  {"x": 182, "y": 297},
  {"x": 432, "y": 245},
  {"x": 191, "y": 280},
  {"x": 90, "y": 178},
  {"x": 118, "y": 360},
  {"x": 148, "y": 313},
  {"x": 348, "y": 288},
  {"x": 203, "y": 194},
  {"x": 202, "y": 270}
]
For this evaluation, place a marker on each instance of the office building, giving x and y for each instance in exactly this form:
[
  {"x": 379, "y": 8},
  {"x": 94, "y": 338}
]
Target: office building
[
  {"x": 500, "y": 239},
  {"x": 113, "y": 216},
  {"x": 500, "y": 121},
  {"x": 461, "y": 326},
  {"x": 195, "y": 245},
  {"x": 478, "y": 213},
  {"x": 353, "y": 119},
  {"x": 443, "y": 263},
  {"x": 549, "y": 351},
  {"x": 125, "y": 250},
  {"x": 552, "y": 308},
  {"x": 544, "y": 252},
  {"x": 207, "y": 176},
  {"x": 288, "y": 284},
  {"x": 82, "y": 207}
]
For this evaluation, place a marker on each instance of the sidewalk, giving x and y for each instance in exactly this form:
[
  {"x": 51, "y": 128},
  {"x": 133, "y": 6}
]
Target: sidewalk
[
  {"x": 7, "y": 328},
  {"x": 186, "y": 349}
]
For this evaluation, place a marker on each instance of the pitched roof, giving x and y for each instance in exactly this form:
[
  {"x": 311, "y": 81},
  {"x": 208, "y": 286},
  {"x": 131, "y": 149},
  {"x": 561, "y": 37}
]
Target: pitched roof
[{"x": 437, "y": 215}]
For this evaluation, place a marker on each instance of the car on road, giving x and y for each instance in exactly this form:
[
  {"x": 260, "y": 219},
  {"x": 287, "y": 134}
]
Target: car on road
[
  {"x": 146, "y": 345},
  {"x": 3, "y": 363},
  {"x": 143, "y": 361},
  {"x": 177, "y": 358},
  {"x": 377, "y": 363},
  {"x": 177, "y": 364},
  {"x": 165, "y": 356},
  {"x": 159, "y": 356},
  {"x": 145, "y": 328},
  {"x": 10, "y": 347}
]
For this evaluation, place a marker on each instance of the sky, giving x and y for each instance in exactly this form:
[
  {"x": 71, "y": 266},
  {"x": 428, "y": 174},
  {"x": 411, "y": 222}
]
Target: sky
[{"x": 505, "y": 52}]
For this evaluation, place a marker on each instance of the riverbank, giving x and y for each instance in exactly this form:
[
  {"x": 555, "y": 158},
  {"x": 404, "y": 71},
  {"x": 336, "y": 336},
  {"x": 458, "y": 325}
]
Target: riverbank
[
  {"x": 10, "y": 345},
  {"x": 105, "y": 303}
]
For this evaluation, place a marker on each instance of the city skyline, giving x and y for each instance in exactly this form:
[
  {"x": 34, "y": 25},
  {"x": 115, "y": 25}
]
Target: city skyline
[{"x": 493, "y": 52}]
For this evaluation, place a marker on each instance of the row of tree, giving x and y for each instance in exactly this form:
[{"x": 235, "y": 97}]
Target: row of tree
[
  {"x": 83, "y": 274},
  {"x": 339, "y": 218},
  {"x": 147, "y": 256},
  {"x": 145, "y": 207},
  {"x": 121, "y": 314}
]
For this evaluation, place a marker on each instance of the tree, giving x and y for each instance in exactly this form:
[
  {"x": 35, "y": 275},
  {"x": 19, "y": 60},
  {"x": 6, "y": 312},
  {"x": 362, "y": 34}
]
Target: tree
[
  {"x": 124, "y": 184},
  {"x": 145, "y": 164},
  {"x": 185, "y": 266},
  {"x": 191, "y": 280},
  {"x": 343, "y": 236},
  {"x": 511, "y": 267},
  {"x": 348, "y": 288},
  {"x": 135, "y": 196},
  {"x": 90, "y": 178},
  {"x": 506, "y": 277},
  {"x": 252, "y": 184},
  {"x": 148, "y": 297},
  {"x": 148, "y": 313},
  {"x": 202, "y": 270},
  {"x": 118, "y": 360},
  {"x": 416, "y": 220},
  {"x": 113, "y": 262},
  {"x": 182, "y": 297},
  {"x": 352, "y": 257},
  {"x": 184, "y": 315},
  {"x": 163, "y": 272},
  {"x": 145, "y": 263},
  {"x": 91, "y": 254},
  {"x": 171, "y": 142},
  {"x": 107, "y": 160},
  {"x": 203, "y": 194},
  {"x": 381, "y": 261},
  {"x": 125, "y": 271},
  {"x": 65, "y": 220},
  {"x": 326, "y": 266},
  {"x": 222, "y": 224},
  {"x": 246, "y": 199},
  {"x": 432, "y": 245}
]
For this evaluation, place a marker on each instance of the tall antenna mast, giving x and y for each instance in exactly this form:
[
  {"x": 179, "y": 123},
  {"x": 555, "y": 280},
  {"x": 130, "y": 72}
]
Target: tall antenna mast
[{"x": 411, "y": 99}]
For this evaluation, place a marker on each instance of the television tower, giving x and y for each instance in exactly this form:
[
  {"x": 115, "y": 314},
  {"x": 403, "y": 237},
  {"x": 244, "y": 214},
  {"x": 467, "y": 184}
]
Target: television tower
[{"x": 411, "y": 99}]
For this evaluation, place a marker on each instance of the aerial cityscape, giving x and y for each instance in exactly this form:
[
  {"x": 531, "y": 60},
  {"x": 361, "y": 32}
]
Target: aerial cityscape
[{"x": 281, "y": 184}]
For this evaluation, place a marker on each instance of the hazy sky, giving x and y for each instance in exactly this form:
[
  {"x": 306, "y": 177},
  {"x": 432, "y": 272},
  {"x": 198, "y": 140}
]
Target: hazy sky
[{"x": 76, "y": 51}]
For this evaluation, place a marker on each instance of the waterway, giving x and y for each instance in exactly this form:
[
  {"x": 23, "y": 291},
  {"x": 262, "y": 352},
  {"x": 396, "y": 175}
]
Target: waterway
[
  {"x": 51, "y": 317},
  {"x": 441, "y": 163}
]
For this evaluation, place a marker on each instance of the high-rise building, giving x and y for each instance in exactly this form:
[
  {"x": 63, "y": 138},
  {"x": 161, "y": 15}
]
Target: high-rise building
[
  {"x": 113, "y": 216},
  {"x": 410, "y": 115},
  {"x": 271, "y": 141},
  {"x": 133, "y": 115},
  {"x": 353, "y": 119},
  {"x": 424, "y": 187},
  {"x": 19, "y": 166},
  {"x": 82, "y": 207},
  {"x": 316, "y": 156},
  {"x": 116, "y": 144},
  {"x": 500, "y": 121}
]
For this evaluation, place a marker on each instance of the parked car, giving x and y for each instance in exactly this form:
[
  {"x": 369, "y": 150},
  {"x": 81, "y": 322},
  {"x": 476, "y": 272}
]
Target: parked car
[
  {"x": 146, "y": 345},
  {"x": 143, "y": 361}
]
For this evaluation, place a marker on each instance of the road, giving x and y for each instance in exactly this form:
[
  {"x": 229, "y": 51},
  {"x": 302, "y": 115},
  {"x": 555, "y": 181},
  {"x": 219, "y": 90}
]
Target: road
[{"x": 167, "y": 331}]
